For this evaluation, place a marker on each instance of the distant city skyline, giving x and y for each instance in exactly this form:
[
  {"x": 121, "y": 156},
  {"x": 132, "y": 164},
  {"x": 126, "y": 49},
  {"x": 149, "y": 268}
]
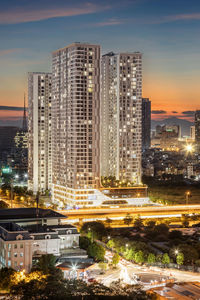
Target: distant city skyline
[{"x": 166, "y": 32}]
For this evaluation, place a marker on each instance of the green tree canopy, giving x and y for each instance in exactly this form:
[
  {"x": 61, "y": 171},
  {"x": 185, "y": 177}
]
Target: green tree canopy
[
  {"x": 46, "y": 263},
  {"x": 97, "y": 229},
  {"x": 180, "y": 259},
  {"x": 5, "y": 278},
  {"x": 189, "y": 252},
  {"x": 139, "y": 257},
  {"x": 128, "y": 219},
  {"x": 138, "y": 223},
  {"x": 161, "y": 229},
  {"x": 151, "y": 259},
  {"x": 165, "y": 259},
  {"x": 96, "y": 251},
  {"x": 175, "y": 234},
  {"x": 115, "y": 259},
  {"x": 111, "y": 243}
]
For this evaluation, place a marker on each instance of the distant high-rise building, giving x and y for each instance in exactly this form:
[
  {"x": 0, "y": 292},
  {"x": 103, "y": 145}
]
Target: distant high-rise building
[
  {"x": 7, "y": 144},
  {"x": 146, "y": 123},
  {"x": 121, "y": 116},
  {"x": 192, "y": 132},
  {"x": 197, "y": 127},
  {"x": 21, "y": 142},
  {"x": 39, "y": 129},
  {"x": 76, "y": 124}
]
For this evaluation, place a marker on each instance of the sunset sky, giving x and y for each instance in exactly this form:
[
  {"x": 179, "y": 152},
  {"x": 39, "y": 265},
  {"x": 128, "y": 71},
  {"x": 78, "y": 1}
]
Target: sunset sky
[{"x": 167, "y": 32}]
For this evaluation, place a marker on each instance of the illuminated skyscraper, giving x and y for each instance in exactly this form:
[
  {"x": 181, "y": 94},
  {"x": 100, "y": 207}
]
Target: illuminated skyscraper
[
  {"x": 121, "y": 116},
  {"x": 76, "y": 123},
  {"x": 39, "y": 131},
  {"x": 197, "y": 126},
  {"x": 146, "y": 123}
]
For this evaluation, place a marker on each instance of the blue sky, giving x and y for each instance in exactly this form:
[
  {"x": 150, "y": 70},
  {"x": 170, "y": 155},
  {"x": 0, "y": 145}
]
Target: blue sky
[{"x": 166, "y": 32}]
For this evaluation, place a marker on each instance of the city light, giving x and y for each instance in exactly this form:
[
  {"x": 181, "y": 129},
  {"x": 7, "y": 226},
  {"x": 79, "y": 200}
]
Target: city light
[{"x": 189, "y": 148}]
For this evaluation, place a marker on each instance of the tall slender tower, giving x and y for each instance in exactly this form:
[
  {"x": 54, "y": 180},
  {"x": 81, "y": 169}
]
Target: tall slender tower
[
  {"x": 76, "y": 124},
  {"x": 121, "y": 116},
  {"x": 146, "y": 123},
  {"x": 24, "y": 123},
  {"x": 197, "y": 130},
  {"x": 39, "y": 129},
  {"x": 21, "y": 145}
]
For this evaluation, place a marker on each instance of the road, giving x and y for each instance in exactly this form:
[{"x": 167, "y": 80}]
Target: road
[
  {"x": 150, "y": 211},
  {"x": 146, "y": 276}
]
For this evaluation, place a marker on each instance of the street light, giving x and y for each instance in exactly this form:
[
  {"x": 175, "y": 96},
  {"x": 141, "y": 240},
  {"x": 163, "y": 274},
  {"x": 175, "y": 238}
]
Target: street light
[
  {"x": 176, "y": 251},
  {"x": 187, "y": 194},
  {"x": 189, "y": 148},
  {"x": 16, "y": 176}
]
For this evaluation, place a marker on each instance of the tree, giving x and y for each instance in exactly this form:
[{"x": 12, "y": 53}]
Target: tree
[
  {"x": 84, "y": 242},
  {"x": 128, "y": 219},
  {"x": 138, "y": 223},
  {"x": 3, "y": 204},
  {"x": 129, "y": 254},
  {"x": 96, "y": 251},
  {"x": 159, "y": 258},
  {"x": 165, "y": 259},
  {"x": 150, "y": 224},
  {"x": 189, "y": 252},
  {"x": 46, "y": 263},
  {"x": 103, "y": 266},
  {"x": 151, "y": 259},
  {"x": 111, "y": 243},
  {"x": 185, "y": 222},
  {"x": 5, "y": 278},
  {"x": 108, "y": 222},
  {"x": 97, "y": 230},
  {"x": 180, "y": 259},
  {"x": 115, "y": 259},
  {"x": 175, "y": 234},
  {"x": 139, "y": 257},
  {"x": 162, "y": 229}
]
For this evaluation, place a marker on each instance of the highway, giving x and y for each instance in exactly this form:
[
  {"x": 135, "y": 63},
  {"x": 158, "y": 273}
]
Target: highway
[{"x": 150, "y": 211}]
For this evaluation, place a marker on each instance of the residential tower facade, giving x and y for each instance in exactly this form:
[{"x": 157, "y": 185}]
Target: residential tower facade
[
  {"x": 39, "y": 132},
  {"x": 76, "y": 124},
  {"x": 121, "y": 116}
]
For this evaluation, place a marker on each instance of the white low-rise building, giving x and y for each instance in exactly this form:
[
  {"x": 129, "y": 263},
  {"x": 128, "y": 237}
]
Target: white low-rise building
[{"x": 27, "y": 233}]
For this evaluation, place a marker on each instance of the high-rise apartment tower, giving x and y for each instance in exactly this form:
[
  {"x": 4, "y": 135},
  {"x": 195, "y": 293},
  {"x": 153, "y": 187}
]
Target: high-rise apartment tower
[
  {"x": 146, "y": 123},
  {"x": 39, "y": 131},
  {"x": 76, "y": 123},
  {"x": 121, "y": 116}
]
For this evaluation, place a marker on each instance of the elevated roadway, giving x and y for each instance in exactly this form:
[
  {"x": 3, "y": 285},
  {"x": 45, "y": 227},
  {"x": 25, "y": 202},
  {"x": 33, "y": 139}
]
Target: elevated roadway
[{"x": 150, "y": 211}]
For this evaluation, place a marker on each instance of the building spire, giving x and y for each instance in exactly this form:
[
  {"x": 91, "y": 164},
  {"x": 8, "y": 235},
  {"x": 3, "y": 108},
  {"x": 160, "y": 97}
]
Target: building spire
[{"x": 24, "y": 124}]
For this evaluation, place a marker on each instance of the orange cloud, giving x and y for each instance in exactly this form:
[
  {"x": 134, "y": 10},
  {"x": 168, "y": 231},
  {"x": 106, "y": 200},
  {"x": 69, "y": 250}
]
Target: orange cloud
[{"x": 9, "y": 51}]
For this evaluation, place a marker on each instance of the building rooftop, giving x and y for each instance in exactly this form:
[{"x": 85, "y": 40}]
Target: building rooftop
[
  {"x": 28, "y": 213},
  {"x": 76, "y": 44},
  {"x": 12, "y": 232}
]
